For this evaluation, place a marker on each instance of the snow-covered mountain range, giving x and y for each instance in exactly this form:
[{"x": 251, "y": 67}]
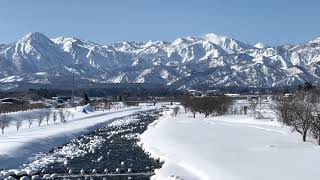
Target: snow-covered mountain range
[{"x": 185, "y": 63}]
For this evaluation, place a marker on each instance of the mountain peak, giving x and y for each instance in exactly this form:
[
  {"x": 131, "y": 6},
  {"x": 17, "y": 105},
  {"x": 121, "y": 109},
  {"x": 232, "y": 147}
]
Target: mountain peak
[
  {"x": 214, "y": 38},
  {"x": 179, "y": 41},
  {"x": 35, "y": 37},
  {"x": 61, "y": 40},
  {"x": 317, "y": 40},
  {"x": 228, "y": 44},
  {"x": 260, "y": 45}
]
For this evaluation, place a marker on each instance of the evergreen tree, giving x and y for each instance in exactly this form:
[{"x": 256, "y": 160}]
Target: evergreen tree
[{"x": 86, "y": 99}]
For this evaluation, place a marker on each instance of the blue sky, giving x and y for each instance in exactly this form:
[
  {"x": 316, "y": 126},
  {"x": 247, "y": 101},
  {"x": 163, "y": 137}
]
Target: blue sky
[{"x": 272, "y": 22}]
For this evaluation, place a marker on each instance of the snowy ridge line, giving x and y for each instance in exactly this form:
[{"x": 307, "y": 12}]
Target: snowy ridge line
[
  {"x": 43, "y": 140},
  {"x": 185, "y": 63}
]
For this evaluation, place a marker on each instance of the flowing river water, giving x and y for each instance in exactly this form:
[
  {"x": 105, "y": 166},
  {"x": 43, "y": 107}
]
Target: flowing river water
[{"x": 110, "y": 152}]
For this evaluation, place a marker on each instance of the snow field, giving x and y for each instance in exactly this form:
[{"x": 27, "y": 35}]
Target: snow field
[{"x": 232, "y": 147}]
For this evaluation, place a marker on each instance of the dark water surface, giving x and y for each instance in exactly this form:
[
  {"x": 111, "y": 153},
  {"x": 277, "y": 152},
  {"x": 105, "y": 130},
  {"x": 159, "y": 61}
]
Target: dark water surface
[{"x": 117, "y": 151}]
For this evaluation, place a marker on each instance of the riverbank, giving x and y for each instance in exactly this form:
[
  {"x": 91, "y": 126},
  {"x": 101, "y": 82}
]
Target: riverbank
[
  {"x": 16, "y": 148},
  {"x": 233, "y": 147}
]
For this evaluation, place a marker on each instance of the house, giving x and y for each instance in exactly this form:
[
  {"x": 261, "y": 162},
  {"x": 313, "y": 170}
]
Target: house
[{"x": 196, "y": 93}]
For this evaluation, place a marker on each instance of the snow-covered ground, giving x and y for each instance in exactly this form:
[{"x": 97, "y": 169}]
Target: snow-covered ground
[
  {"x": 17, "y": 148},
  {"x": 229, "y": 147}
]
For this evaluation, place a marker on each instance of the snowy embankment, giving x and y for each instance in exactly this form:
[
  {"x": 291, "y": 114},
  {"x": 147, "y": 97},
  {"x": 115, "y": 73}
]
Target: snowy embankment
[
  {"x": 229, "y": 147},
  {"x": 20, "y": 147}
]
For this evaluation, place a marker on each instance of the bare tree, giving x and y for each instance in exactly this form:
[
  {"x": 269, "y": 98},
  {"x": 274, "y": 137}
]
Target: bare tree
[
  {"x": 4, "y": 122},
  {"x": 41, "y": 117},
  {"x": 176, "y": 110},
  {"x": 54, "y": 116},
  {"x": 253, "y": 106},
  {"x": 30, "y": 120},
  {"x": 67, "y": 114},
  {"x": 47, "y": 115},
  {"x": 64, "y": 115},
  {"x": 107, "y": 105},
  {"x": 260, "y": 101},
  {"x": 245, "y": 109},
  {"x": 18, "y": 125},
  {"x": 218, "y": 105},
  {"x": 190, "y": 104},
  {"x": 315, "y": 125},
  {"x": 302, "y": 110},
  {"x": 61, "y": 115},
  {"x": 296, "y": 111}
]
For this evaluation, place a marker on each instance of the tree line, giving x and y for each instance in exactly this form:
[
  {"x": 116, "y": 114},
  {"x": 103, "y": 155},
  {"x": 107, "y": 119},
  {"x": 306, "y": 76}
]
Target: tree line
[
  {"x": 38, "y": 118},
  {"x": 7, "y": 108},
  {"x": 215, "y": 105}
]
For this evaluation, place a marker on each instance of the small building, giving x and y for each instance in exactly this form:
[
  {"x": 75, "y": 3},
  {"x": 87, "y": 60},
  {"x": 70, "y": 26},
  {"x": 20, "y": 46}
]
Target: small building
[
  {"x": 196, "y": 93},
  {"x": 61, "y": 99}
]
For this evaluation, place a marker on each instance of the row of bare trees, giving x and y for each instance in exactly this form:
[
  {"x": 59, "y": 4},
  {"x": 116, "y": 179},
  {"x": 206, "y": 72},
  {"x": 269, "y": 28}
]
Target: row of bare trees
[
  {"x": 301, "y": 111},
  {"x": 238, "y": 110},
  {"x": 7, "y": 108},
  {"x": 213, "y": 105},
  {"x": 62, "y": 115},
  {"x": 101, "y": 104}
]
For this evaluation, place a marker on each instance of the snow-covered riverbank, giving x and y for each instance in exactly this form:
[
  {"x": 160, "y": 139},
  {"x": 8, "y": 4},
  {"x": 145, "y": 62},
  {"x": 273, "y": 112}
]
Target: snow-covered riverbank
[
  {"x": 230, "y": 147},
  {"x": 17, "y": 147}
]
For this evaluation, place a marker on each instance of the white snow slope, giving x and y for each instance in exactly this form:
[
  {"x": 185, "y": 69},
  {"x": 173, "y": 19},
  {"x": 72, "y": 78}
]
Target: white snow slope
[
  {"x": 20, "y": 147},
  {"x": 230, "y": 147}
]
